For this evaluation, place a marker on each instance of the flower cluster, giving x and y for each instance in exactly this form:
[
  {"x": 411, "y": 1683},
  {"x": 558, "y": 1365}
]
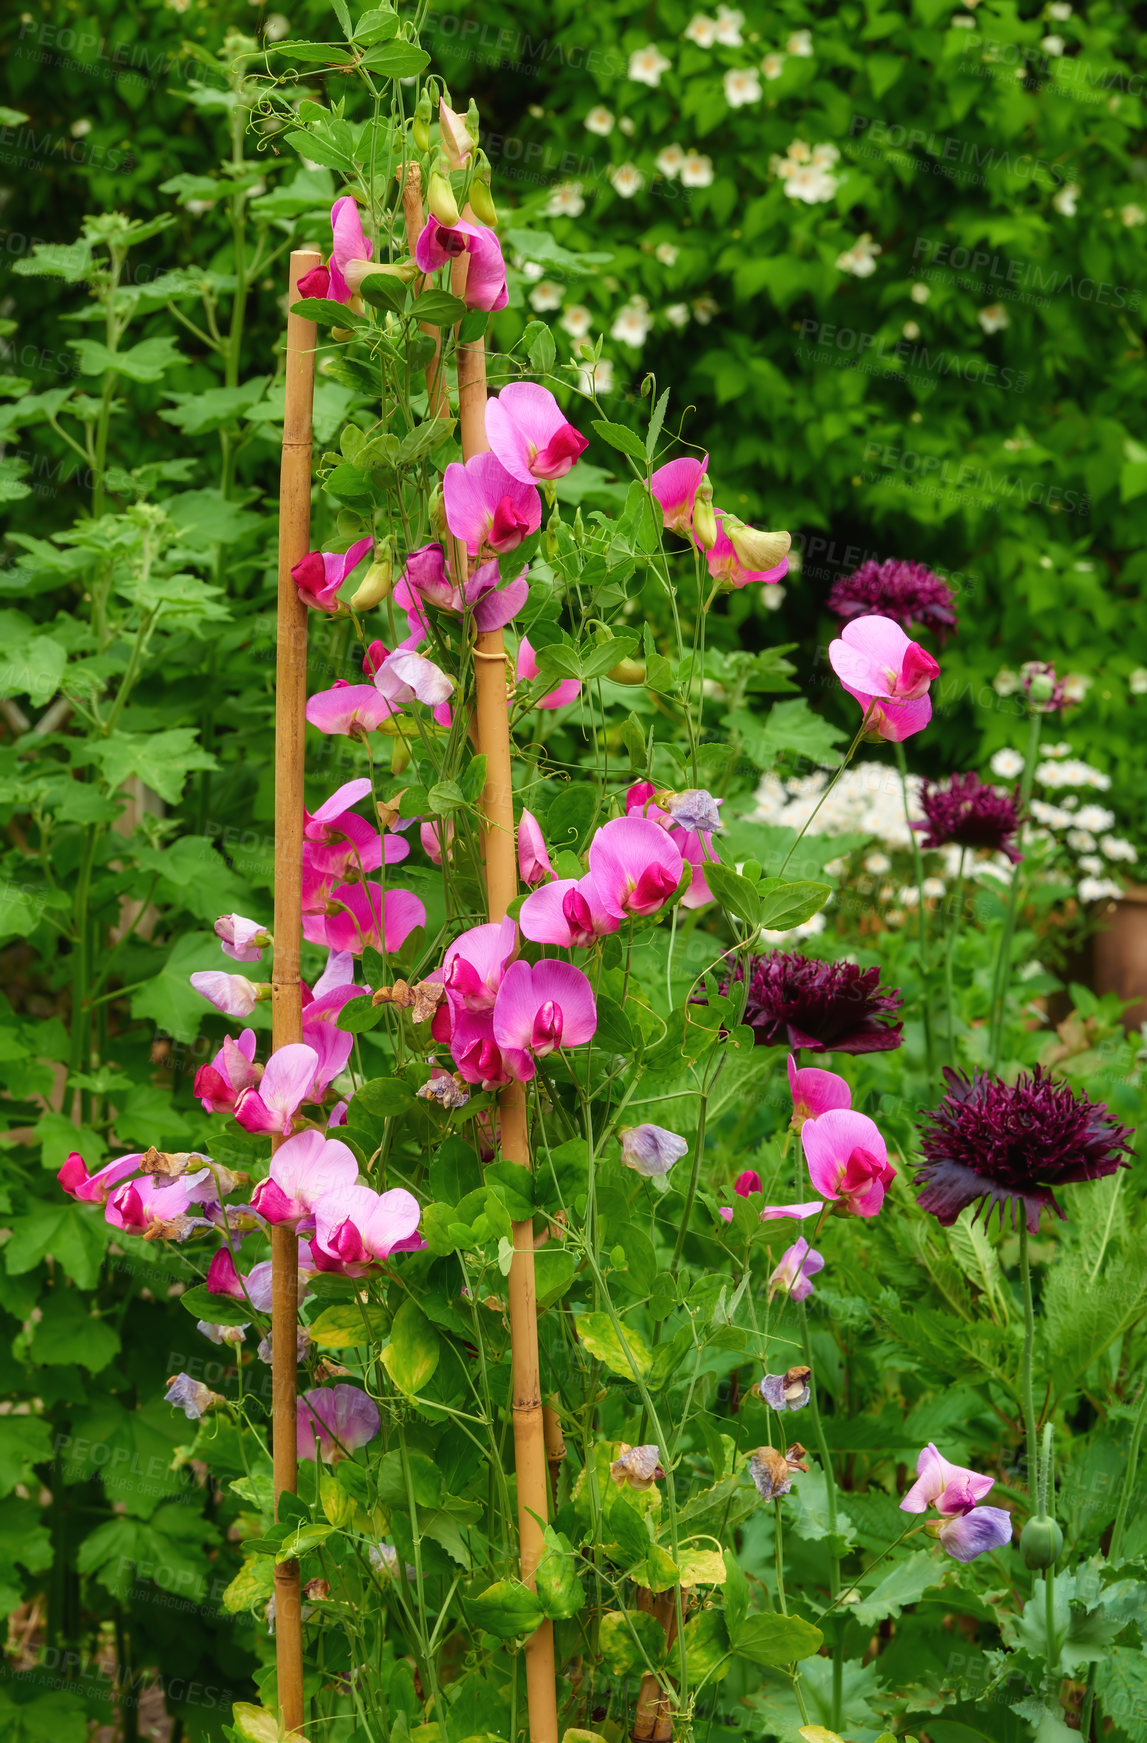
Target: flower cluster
[{"x": 825, "y": 1007}]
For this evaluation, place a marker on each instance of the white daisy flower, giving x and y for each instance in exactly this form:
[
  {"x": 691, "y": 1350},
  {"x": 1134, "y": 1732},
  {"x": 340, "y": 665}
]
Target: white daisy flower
[
  {"x": 729, "y": 22},
  {"x": 800, "y": 44},
  {"x": 566, "y": 201},
  {"x": 810, "y": 185},
  {"x": 576, "y": 321},
  {"x": 632, "y": 323},
  {"x": 669, "y": 161},
  {"x": 599, "y": 121},
  {"x": 1099, "y": 890},
  {"x": 877, "y": 864},
  {"x": 1116, "y": 847},
  {"x": 701, "y": 30},
  {"x": 1007, "y": 763}
]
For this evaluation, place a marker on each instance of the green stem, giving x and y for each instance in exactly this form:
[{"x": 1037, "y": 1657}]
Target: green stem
[
  {"x": 925, "y": 967},
  {"x": 779, "y": 1545},
  {"x": 1029, "y": 1348},
  {"x": 1118, "y": 1528},
  {"x": 848, "y": 756},
  {"x": 953, "y": 938},
  {"x": 1004, "y": 959},
  {"x": 830, "y": 1506}
]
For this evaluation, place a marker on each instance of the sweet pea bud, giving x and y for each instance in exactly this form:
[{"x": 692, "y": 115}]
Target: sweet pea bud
[
  {"x": 420, "y": 127},
  {"x": 357, "y": 271},
  {"x": 578, "y": 529},
  {"x": 440, "y": 199},
  {"x": 377, "y": 583},
  {"x": 1040, "y": 1543},
  {"x": 757, "y": 550},
  {"x": 551, "y": 538},
  {"x": 400, "y": 755},
  {"x": 704, "y": 520},
  {"x": 627, "y": 672},
  {"x": 481, "y": 199},
  {"x": 456, "y": 141},
  {"x": 473, "y": 124},
  {"x": 437, "y": 513}
]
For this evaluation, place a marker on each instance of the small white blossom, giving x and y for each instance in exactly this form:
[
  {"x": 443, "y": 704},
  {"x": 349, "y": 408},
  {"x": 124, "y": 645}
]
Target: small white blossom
[
  {"x": 669, "y": 160},
  {"x": 1076, "y": 685},
  {"x": 1060, "y": 10},
  {"x": 772, "y": 596},
  {"x": 742, "y": 86},
  {"x": 677, "y": 314},
  {"x": 576, "y": 321},
  {"x": 1099, "y": 890},
  {"x": 1081, "y": 840},
  {"x": 566, "y": 201},
  {"x": 773, "y": 66},
  {"x": 647, "y": 65},
  {"x": 1132, "y": 214},
  {"x": 911, "y": 331},
  {"x": 667, "y": 252},
  {"x": 920, "y": 293},
  {"x": 696, "y": 170},
  {"x": 963, "y": 21},
  {"x": 80, "y": 129},
  {"x": 704, "y": 308},
  {"x": 800, "y": 44},
  {"x": 908, "y": 896},
  {"x": 632, "y": 323},
  {"x": 1137, "y": 682},
  {"x": 860, "y": 259},
  {"x": 1006, "y": 682},
  {"x": 627, "y": 180},
  {"x": 701, "y": 30},
  {"x": 810, "y": 185},
  {"x": 1117, "y": 847},
  {"x": 627, "y": 125},
  {"x": 729, "y": 23},
  {"x": 276, "y": 27},
  {"x": 824, "y": 156},
  {"x": 599, "y": 121},
  {"x": 994, "y": 318},
  {"x": 1092, "y": 864},
  {"x": 1053, "y": 46},
  {"x": 546, "y": 295},
  {"x": 596, "y": 378},
  {"x": 1007, "y": 763},
  {"x": 877, "y": 864},
  {"x": 532, "y": 270},
  {"x": 934, "y": 889},
  {"x": 1065, "y": 200}
]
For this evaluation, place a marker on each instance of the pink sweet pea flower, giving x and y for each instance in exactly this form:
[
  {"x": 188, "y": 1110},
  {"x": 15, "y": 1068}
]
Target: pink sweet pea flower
[
  {"x": 303, "y": 1170},
  {"x": 94, "y": 1188},
  {"x": 527, "y": 669},
  {"x": 319, "y": 575},
  {"x": 357, "y": 1228},
  {"x": 486, "y": 271},
  {"x": 160, "y": 1208},
  {"x": 747, "y": 1182},
  {"x": 725, "y": 565},
  {"x": 847, "y": 1160},
  {"x": 223, "y": 1276},
  {"x": 675, "y": 487},
  {"x": 798, "y": 1266},
  {"x": 815, "y": 1092},
  {"x": 966, "y": 1529},
  {"x": 406, "y": 677},
  {"x": 353, "y": 709},
  {"x": 533, "y": 859},
  {"x": 569, "y": 912},
  {"x": 242, "y": 940},
  {"x": 474, "y": 1050},
  {"x": 494, "y": 606},
  {"x": 334, "y": 1421},
  {"x": 433, "y": 835},
  {"x": 357, "y": 915},
  {"x": 487, "y": 507},
  {"x": 426, "y": 577},
  {"x": 475, "y": 965},
  {"x": 635, "y": 865},
  {"x": 887, "y": 674},
  {"x": 287, "y": 1081},
  {"x": 220, "y": 1084},
  {"x": 456, "y": 140},
  {"x": 348, "y": 243},
  {"x": 233, "y": 994},
  {"x": 696, "y": 851},
  {"x": 539, "y": 1009},
  {"x": 526, "y": 429},
  {"x": 748, "y": 1185},
  {"x": 338, "y": 843}
]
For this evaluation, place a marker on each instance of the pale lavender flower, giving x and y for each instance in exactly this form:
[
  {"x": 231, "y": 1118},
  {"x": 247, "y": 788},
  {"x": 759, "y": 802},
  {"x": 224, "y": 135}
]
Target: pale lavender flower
[{"x": 651, "y": 1150}]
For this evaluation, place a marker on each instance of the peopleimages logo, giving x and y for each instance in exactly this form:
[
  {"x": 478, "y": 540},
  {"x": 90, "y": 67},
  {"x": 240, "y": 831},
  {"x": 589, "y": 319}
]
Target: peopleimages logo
[
  {"x": 936, "y": 474},
  {"x": 1025, "y": 274},
  {"x": 963, "y": 155}
]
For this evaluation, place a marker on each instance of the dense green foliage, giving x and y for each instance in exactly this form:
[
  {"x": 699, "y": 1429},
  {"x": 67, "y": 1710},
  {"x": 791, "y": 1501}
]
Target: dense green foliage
[{"x": 153, "y": 197}]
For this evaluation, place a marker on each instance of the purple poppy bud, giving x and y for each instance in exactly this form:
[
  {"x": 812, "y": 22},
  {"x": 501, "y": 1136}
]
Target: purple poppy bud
[{"x": 651, "y": 1150}]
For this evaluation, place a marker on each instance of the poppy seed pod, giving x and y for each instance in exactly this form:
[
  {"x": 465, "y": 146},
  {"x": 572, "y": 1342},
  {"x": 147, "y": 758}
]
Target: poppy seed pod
[{"x": 1040, "y": 1543}]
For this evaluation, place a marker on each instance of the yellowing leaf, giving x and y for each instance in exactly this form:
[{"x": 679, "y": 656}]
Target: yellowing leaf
[
  {"x": 597, "y": 1333},
  {"x": 701, "y": 1567}
]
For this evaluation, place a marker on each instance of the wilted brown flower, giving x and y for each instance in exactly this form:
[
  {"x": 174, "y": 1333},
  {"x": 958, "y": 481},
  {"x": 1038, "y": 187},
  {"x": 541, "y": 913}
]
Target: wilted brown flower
[
  {"x": 773, "y": 1471},
  {"x": 639, "y": 1466}
]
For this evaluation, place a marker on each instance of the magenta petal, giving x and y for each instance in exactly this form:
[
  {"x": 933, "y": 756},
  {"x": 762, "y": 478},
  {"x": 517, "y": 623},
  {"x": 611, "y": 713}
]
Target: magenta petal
[
  {"x": 347, "y": 795},
  {"x": 675, "y": 487},
  {"x": 625, "y": 858}
]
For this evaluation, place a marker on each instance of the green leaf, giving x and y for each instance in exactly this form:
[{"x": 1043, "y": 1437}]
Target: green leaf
[
  {"x": 907, "y": 1583},
  {"x": 597, "y": 1333},
  {"x": 614, "y": 1029},
  {"x": 707, "y": 1650},
  {"x": 559, "y": 1589},
  {"x": 359, "y": 1016},
  {"x": 162, "y": 760},
  {"x": 625, "y": 1655},
  {"x": 621, "y": 438},
  {"x": 146, "y": 361},
  {"x": 735, "y": 893},
  {"x": 303, "y": 1538},
  {"x": 67, "y": 1332},
  {"x": 507, "y": 1609},
  {"x": 791, "y": 726},
  {"x": 396, "y": 60},
  {"x": 203, "y": 1303},
  {"x": 776, "y": 1640},
  {"x": 252, "y": 1586},
  {"x": 438, "y": 308},
  {"x": 784, "y": 905},
  {"x": 347, "y": 1325},
  {"x": 328, "y": 313},
  {"x": 383, "y": 1096},
  {"x": 24, "y": 1441},
  {"x": 411, "y": 1356},
  {"x": 75, "y": 1235},
  {"x": 382, "y": 290}
]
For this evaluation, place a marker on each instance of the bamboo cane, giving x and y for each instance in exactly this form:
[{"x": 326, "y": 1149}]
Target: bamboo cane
[
  {"x": 437, "y": 397},
  {"x": 653, "y": 1719},
  {"x": 501, "y": 887},
  {"x": 286, "y": 998}
]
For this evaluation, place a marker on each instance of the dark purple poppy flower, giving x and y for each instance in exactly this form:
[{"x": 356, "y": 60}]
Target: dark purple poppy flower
[
  {"x": 907, "y": 592},
  {"x": 828, "y": 1007},
  {"x": 968, "y": 813},
  {"x": 992, "y": 1143}
]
